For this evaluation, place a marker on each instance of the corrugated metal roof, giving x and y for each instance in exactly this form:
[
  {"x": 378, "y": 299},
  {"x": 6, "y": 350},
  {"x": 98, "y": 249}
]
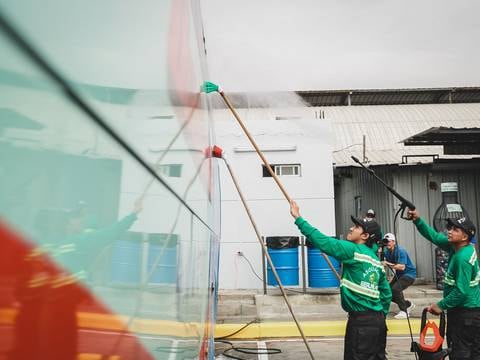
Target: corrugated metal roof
[
  {"x": 444, "y": 135},
  {"x": 386, "y": 126},
  {"x": 391, "y": 96},
  {"x": 353, "y": 97}
]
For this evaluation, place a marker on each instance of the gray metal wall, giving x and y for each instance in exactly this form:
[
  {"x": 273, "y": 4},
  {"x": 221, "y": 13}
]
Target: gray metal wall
[
  {"x": 353, "y": 182},
  {"x": 413, "y": 183}
]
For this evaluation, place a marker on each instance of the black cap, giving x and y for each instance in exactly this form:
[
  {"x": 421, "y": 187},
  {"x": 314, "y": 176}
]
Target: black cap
[
  {"x": 371, "y": 227},
  {"x": 463, "y": 223}
]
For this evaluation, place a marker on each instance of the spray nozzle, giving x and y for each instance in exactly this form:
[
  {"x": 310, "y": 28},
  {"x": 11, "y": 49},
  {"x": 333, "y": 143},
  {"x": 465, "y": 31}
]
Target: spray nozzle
[
  {"x": 355, "y": 159},
  {"x": 217, "y": 151},
  {"x": 213, "y": 151}
]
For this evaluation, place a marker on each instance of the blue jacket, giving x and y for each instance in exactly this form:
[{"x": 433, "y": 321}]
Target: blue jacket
[{"x": 400, "y": 256}]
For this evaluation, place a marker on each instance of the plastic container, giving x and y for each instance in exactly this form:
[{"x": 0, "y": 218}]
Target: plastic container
[
  {"x": 126, "y": 260},
  {"x": 319, "y": 273},
  {"x": 283, "y": 251}
]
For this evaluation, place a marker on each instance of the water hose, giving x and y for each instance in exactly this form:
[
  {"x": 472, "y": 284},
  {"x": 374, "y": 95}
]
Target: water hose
[
  {"x": 209, "y": 87},
  {"x": 218, "y": 153}
]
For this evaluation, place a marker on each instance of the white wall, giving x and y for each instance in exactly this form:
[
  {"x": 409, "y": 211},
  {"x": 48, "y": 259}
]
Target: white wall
[{"x": 313, "y": 190}]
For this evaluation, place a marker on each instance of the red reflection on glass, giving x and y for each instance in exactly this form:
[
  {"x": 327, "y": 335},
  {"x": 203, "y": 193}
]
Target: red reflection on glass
[{"x": 45, "y": 312}]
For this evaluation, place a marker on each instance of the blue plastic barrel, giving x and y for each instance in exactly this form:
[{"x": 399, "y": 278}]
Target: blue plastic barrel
[
  {"x": 165, "y": 271},
  {"x": 286, "y": 263},
  {"x": 319, "y": 273},
  {"x": 125, "y": 268}
]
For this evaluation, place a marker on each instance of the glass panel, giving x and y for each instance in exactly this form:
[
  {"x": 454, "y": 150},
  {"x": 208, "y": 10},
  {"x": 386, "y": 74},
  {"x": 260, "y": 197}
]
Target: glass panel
[
  {"x": 98, "y": 257},
  {"x": 140, "y": 68},
  {"x": 287, "y": 170}
]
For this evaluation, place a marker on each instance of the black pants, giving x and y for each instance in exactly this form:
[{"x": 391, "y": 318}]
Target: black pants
[
  {"x": 398, "y": 285},
  {"x": 463, "y": 333},
  {"x": 366, "y": 336}
]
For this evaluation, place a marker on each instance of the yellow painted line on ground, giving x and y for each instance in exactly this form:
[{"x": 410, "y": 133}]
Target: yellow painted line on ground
[
  {"x": 109, "y": 322},
  {"x": 310, "y": 328}
]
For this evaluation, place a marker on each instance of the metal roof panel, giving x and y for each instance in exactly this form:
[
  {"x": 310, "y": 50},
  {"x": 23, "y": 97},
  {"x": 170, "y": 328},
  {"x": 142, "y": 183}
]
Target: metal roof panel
[{"x": 387, "y": 125}]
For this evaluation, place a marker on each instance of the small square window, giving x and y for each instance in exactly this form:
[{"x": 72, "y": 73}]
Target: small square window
[
  {"x": 169, "y": 170},
  {"x": 282, "y": 170},
  {"x": 287, "y": 170}
]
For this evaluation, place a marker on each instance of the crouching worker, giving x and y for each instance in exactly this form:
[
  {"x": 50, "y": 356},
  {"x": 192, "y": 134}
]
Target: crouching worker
[
  {"x": 461, "y": 292},
  {"x": 397, "y": 258},
  {"x": 364, "y": 290}
]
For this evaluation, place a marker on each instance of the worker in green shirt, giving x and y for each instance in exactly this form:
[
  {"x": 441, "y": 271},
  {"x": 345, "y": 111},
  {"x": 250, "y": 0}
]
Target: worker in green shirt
[
  {"x": 364, "y": 290},
  {"x": 461, "y": 293}
]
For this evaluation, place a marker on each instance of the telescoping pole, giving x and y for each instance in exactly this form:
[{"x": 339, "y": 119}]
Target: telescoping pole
[
  {"x": 218, "y": 153},
  {"x": 210, "y": 87}
]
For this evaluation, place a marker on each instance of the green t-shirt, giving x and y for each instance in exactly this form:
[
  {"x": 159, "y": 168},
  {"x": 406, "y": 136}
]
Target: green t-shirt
[
  {"x": 363, "y": 285},
  {"x": 461, "y": 288}
]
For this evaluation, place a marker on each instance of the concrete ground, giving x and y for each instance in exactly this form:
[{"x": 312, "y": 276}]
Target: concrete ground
[
  {"x": 398, "y": 348},
  {"x": 318, "y": 308}
]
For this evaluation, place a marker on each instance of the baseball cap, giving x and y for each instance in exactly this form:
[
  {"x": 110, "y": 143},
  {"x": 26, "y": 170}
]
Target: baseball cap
[
  {"x": 369, "y": 226},
  {"x": 389, "y": 236},
  {"x": 371, "y": 213},
  {"x": 463, "y": 223}
]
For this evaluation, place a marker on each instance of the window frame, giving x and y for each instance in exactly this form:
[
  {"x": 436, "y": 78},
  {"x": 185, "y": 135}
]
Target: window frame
[{"x": 279, "y": 170}]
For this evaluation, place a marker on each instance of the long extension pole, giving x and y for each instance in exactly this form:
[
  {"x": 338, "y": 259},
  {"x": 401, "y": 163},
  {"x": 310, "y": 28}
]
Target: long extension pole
[
  {"x": 210, "y": 87},
  {"x": 254, "y": 144},
  {"x": 265, "y": 253}
]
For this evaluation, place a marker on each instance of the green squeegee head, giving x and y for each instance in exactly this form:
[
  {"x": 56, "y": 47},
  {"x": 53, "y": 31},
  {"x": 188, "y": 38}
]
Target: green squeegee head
[{"x": 209, "y": 87}]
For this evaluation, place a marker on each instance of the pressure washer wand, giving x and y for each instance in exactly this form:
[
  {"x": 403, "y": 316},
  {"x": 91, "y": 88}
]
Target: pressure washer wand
[
  {"x": 404, "y": 203},
  {"x": 218, "y": 153},
  {"x": 210, "y": 87}
]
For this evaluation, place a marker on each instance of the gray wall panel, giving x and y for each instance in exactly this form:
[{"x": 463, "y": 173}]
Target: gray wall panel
[
  {"x": 434, "y": 201},
  {"x": 413, "y": 183},
  {"x": 467, "y": 193},
  {"x": 405, "y": 229},
  {"x": 422, "y": 248}
]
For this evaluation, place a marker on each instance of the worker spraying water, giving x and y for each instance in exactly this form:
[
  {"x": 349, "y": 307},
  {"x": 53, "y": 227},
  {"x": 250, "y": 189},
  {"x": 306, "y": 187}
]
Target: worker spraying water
[
  {"x": 461, "y": 294},
  {"x": 209, "y": 87},
  {"x": 217, "y": 152},
  {"x": 464, "y": 338},
  {"x": 364, "y": 290},
  {"x": 366, "y": 294}
]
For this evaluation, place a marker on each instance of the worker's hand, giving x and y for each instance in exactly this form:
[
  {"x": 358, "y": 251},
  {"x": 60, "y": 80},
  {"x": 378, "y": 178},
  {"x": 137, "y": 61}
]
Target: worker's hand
[
  {"x": 294, "y": 209},
  {"x": 412, "y": 214},
  {"x": 434, "y": 309},
  {"x": 138, "y": 205}
]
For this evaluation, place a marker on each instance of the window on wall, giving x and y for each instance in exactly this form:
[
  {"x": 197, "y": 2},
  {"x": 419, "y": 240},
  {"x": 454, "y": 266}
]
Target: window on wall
[
  {"x": 169, "y": 170},
  {"x": 283, "y": 170}
]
